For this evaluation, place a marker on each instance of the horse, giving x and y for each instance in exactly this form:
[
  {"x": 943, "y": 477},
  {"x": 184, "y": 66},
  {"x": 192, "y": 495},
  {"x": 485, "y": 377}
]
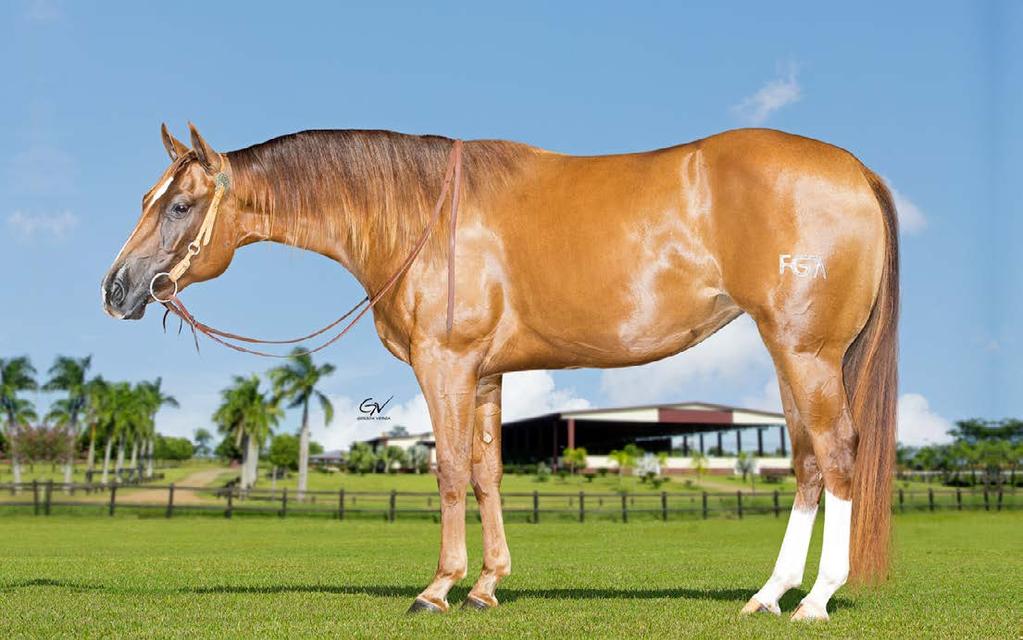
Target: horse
[{"x": 580, "y": 261}]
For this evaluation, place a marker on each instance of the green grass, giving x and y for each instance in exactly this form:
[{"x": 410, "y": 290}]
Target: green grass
[{"x": 956, "y": 576}]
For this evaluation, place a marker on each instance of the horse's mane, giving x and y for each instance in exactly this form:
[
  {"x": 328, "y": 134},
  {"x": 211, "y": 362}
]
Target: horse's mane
[{"x": 378, "y": 186}]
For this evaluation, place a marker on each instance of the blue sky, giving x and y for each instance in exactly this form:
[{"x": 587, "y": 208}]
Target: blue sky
[{"x": 921, "y": 92}]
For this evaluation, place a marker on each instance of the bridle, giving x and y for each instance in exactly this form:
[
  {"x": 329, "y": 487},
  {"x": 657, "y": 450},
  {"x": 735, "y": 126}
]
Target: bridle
[{"x": 174, "y": 305}]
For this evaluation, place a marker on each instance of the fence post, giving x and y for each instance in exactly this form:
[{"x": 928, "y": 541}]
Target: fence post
[
  {"x": 49, "y": 493},
  {"x": 391, "y": 506},
  {"x": 170, "y": 500},
  {"x": 664, "y": 506},
  {"x": 738, "y": 504},
  {"x": 959, "y": 499},
  {"x": 35, "y": 497},
  {"x": 999, "y": 508},
  {"x": 536, "y": 507},
  {"x": 582, "y": 506},
  {"x": 704, "y": 505},
  {"x": 284, "y": 503},
  {"x": 625, "y": 508},
  {"x": 902, "y": 501},
  {"x": 341, "y": 504},
  {"x": 777, "y": 510},
  {"x": 987, "y": 500},
  {"x": 930, "y": 498},
  {"x": 113, "y": 498},
  {"x": 230, "y": 502}
]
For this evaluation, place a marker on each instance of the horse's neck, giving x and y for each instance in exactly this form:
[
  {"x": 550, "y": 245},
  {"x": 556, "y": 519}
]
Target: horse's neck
[{"x": 327, "y": 232}]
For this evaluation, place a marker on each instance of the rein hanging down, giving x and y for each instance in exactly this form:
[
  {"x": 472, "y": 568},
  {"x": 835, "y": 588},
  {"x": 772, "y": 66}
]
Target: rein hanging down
[{"x": 174, "y": 305}]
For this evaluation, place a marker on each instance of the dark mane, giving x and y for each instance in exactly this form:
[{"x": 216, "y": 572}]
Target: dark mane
[{"x": 380, "y": 185}]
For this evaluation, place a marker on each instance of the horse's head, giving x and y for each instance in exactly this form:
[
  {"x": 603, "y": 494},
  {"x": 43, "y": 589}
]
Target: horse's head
[{"x": 172, "y": 214}]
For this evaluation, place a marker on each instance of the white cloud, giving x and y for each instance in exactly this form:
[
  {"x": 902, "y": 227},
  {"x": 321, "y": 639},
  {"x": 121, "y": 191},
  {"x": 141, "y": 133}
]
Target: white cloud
[
  {"x": 54, "y": 226},
  {"x": 911, "y": 219},
  {"x": 768, "y": 399},
  {"x": 735, "y": 356},
  {"x": 775, "y": 94},
  {"x": 532, "y": 393},
  {"x": 43, "y": 11},
  {"x": 918, "y": 424}
]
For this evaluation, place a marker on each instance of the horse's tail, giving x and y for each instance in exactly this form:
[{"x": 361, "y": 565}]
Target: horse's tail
[{"x": 871, "y": 377}]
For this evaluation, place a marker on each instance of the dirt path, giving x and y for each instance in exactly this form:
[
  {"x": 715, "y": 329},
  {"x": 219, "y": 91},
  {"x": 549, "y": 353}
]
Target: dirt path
[{"x": 181, "y": 496}]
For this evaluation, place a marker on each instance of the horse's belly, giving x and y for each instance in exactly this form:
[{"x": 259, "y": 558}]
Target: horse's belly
[{"x": 602, "y": 337}]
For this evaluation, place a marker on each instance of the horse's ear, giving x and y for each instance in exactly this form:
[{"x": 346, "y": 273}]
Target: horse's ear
[
  {"x": 175, "y": 147},
  {"x": 209, "y": 159}
]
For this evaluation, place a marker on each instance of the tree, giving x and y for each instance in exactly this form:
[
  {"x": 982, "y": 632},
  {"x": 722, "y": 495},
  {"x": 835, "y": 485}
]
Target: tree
[
  {"x": 391, "y": 456},
  {"x": 154, "y": 399},
  {"x": 116, "y": 410},
  {"x": 575, "y": 458},
  {"x": 17, "y": 375},
  {"x": 203, "y": 438},
  {"x": 248, "y": 415},
  {"x": 297, "y": 382},
  {"x": 747, "y": 466},
  {"x": 170, "y": 448},
  {"x": 360, "y": 458},
  {"x": 419, "y": 458},
  {"x": 626, "y": 457},
  {"x": 69, "y": 375},
  {"x": 284, "y": 451},
  {"x": 94, "y": 392},
  {"x": 699, "y": 464}
]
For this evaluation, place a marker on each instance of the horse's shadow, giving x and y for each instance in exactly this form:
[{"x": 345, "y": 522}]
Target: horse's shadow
[{"x": 507, "y": 595}]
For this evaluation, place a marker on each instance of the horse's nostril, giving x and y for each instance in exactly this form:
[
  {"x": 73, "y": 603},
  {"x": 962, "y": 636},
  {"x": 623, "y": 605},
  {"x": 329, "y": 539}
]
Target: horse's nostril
[{"x": 117, "y": 293}]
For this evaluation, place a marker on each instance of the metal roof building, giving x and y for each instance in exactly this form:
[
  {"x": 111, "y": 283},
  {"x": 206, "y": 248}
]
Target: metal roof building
[{"x": 690, "y": 425}]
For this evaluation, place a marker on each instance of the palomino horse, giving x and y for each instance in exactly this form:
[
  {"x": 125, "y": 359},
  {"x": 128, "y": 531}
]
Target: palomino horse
[{"x": 563, "y": 261}]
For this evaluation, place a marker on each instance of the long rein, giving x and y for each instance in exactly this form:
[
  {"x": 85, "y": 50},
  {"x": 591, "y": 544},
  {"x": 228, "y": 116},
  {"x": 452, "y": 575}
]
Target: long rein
[{"x": 452, "y": 183}]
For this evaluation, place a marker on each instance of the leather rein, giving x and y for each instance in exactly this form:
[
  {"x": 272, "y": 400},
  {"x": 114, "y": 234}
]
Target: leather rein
[{"x": 452, "y": 183}]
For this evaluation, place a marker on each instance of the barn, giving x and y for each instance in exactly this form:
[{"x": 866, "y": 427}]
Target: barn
[{"x": 719, "y": 432}]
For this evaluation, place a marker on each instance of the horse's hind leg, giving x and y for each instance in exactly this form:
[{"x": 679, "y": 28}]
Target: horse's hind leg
[
  {"x": 788, "y": 569},
  {"x": 818, "y": 392},
  {"x": 486, "y": 483}
]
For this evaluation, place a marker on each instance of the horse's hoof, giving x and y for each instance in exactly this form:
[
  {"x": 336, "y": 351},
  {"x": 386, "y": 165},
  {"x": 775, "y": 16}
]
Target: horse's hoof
[
  {"x": 755, "y": 606},
  {"x": 422, "y": 606},
  {"x": 475, "y": 604},
  {"x": 809, "y": 612}
]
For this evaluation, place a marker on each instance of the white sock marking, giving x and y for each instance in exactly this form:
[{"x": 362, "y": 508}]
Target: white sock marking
[
  {"x": 788, "y": 570},
  {"x": 834, "y": 567}
]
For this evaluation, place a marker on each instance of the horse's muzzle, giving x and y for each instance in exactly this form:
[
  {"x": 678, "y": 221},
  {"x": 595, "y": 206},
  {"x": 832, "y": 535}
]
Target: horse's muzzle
[{"x": 119, "y": 300}]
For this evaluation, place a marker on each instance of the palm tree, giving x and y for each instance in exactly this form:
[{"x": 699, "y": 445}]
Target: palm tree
[
  {"x": 747, "y": 466},
  {"x": 574, "y": 458},
  {"x": 69, "y": 375},
  {"x": 297, "y": 381},
  {"x": 249, "y": 415},
  {"x": 203, "y": 438},
  {"x": 95, "y": 391},
  {"x": 154, "y": 399},
  {"x": 118, "y": 414},
  {"x": 16, "y": 376},
  {"x": 626, "y": 457},
  {"x": 699, "y": 464}
]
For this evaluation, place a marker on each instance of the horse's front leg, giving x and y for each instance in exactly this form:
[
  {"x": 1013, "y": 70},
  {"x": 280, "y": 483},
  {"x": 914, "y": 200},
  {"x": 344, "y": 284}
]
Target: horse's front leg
[
  {"x": 449, "y": 384},
  {"x": 486, "y": 483}
]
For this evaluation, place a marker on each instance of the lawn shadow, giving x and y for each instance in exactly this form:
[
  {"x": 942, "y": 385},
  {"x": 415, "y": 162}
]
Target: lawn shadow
[
  {"x": 512, "y": 594},
  {"x": 506, "y": 595},
  {"x": 50, "y": 582}
]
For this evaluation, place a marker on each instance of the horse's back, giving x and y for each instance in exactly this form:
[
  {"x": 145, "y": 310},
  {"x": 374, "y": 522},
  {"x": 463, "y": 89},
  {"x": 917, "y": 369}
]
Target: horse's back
[{"x": 617, "y": 260}]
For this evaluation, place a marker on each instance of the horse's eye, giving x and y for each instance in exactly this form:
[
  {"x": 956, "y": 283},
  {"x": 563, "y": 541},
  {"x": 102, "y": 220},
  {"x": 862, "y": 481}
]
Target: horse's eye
[{"x": 179, "y": 209}]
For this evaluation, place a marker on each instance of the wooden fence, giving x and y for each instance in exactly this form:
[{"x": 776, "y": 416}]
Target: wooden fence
[{"x": 45, "y": 498}]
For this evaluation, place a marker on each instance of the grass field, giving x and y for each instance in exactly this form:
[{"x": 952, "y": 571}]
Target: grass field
[{"x": 957, "y": 575}]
